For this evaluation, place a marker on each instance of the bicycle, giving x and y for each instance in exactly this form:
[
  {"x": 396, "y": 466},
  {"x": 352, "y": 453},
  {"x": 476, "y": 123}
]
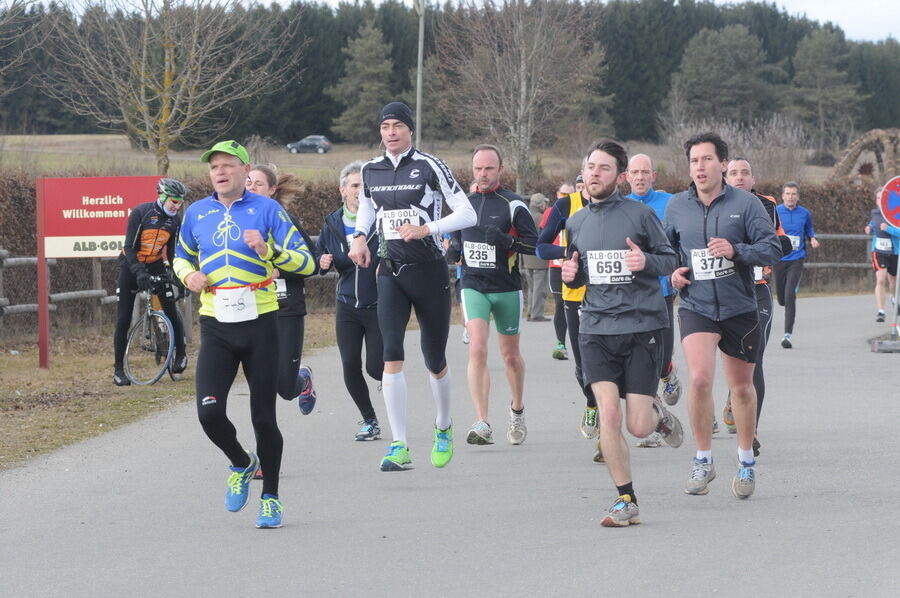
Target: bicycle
[{"x": 150, "y": 349}]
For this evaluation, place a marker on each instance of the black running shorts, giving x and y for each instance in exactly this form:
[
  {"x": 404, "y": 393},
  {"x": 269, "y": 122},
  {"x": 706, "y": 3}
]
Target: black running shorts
[
  {"x": 885, "y": 261},
  {"x": 739, "y": 335},
  {"x": 631, "y": 361}
]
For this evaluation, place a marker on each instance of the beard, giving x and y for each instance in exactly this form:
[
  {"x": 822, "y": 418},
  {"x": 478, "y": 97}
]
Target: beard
[{"x": 601, "y": 193}]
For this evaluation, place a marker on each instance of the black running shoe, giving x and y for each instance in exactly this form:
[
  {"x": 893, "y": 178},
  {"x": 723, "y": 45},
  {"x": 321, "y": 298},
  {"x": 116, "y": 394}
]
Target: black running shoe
[
  {"x": 119, "y": 377},
  {"x": 179, "y": 364}
]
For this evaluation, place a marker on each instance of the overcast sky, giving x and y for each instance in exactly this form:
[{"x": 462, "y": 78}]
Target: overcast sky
[{"x": 862, "y": 20}]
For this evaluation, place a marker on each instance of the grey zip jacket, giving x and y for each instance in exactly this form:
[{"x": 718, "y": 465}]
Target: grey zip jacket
[
  {"x": 721, "y": 288},
  {"x": 618, "y": 301}
]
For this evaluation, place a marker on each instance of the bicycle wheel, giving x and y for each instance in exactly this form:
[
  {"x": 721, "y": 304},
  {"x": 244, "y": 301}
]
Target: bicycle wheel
[{"x": 150, "y": 348}]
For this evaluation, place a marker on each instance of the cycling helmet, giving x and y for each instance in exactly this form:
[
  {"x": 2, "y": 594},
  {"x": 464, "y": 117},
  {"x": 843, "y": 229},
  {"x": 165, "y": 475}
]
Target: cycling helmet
[{"x": 171, "y": 188}]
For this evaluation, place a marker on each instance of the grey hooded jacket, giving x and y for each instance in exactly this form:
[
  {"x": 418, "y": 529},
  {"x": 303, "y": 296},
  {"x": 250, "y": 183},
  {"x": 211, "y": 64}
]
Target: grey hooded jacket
[
  {"x": 738, "y": 217},
  {"x": 627, "y": 303}
]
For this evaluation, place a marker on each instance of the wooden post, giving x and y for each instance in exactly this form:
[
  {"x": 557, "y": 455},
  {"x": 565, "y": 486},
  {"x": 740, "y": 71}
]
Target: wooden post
[{"x": 97, "y": 283}]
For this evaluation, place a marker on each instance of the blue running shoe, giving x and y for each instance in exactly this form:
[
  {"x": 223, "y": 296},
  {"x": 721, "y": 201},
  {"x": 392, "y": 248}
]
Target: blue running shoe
[
  {"x": 307, "y": 396},
  {"x": 239, "y": 485},
  {"x": 270, "y": 512}
]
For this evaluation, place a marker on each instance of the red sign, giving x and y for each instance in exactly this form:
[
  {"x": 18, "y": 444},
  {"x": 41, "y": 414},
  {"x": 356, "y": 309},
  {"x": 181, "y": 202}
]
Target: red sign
[
  {"x": 890, "y": 201},
  {"x": 86, "y": 217}
]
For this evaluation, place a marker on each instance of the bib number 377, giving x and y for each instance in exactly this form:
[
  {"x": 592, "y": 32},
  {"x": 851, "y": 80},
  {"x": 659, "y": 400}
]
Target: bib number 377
[{"x": 707, "y": 267}]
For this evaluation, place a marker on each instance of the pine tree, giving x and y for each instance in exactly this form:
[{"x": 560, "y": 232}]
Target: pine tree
[
  {"x": 724, "y": 75},
  {"x": 365, "y": 86},
  {"x": 822, "y": 95}
]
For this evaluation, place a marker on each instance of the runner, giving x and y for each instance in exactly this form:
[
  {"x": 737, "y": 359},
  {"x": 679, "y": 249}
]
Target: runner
[
  {"x": 555, "y": 284},
  {"x": 640, "y": 176},
  {"x": 492, "y": 286},
  {"x": 720, "y": 234},
  {"x": 619, "y": 249},
  {"x": 229, "y": 244},
  {"x": 150, "y": 239},
  {"x": 740, "y": 176},
  {"x": 884, "y": 258},
  {"x": 798, "y": 226},
  {"x": 356, "y": 316},
  {"x": 551, "y": 246},
  {"x": 403, "y": 189},
  {"x": 294, "y": 379}
]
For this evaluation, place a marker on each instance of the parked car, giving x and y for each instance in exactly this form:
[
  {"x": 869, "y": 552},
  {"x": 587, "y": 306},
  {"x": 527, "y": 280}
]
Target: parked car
[{"x": 310, "y": 143}]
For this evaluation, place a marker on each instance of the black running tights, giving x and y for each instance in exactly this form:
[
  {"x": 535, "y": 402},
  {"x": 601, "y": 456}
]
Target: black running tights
[{"x": 223, "y": 347}]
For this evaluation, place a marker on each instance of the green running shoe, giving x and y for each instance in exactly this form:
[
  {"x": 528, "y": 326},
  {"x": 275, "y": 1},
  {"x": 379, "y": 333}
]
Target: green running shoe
[
  {"x": 397, "y": 458},
  {"x": 442, "y": 451}
]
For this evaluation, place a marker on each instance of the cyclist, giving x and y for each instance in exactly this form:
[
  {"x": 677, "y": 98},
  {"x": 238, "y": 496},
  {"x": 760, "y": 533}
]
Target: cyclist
[
  {"x": 356, "y": 315},
  {"x": 229, "y": 244},
  {"x": 149, "y": 244},
  {"x": 492, "y": 286},
  {"x": 405, "y": 190}
]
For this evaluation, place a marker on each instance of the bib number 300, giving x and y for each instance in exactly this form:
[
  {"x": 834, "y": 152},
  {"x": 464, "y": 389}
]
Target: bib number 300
[
  {"x": 707, "y": 267},
  {"x": 394, "y": 219}
]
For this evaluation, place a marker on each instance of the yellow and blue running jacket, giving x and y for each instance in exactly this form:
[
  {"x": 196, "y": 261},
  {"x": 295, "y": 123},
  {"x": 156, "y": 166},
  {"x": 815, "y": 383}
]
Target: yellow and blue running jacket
[{"x": 212, "y": 241}]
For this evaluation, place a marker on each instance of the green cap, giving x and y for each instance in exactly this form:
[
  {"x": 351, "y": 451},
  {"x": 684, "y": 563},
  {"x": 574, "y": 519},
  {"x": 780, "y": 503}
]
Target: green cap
[{"x": 227, "y": 147}]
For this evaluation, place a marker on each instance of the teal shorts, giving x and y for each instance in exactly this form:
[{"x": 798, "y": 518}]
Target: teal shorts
[{"x": 505, "y": 307}]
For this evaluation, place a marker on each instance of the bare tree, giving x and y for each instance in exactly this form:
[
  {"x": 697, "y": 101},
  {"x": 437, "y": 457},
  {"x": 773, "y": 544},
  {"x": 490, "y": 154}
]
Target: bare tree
[
  {"x": 15, "y": 27},
  {"x": 510, "y": 66},
  {"x": 167, "y": 71}
]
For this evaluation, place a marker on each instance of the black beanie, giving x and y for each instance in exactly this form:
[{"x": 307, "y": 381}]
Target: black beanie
[{"x": 398, "y": 111}]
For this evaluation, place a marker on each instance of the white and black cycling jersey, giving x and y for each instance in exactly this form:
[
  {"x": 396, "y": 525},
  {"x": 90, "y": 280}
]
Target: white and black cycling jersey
[{"x": 411, "y": 189}]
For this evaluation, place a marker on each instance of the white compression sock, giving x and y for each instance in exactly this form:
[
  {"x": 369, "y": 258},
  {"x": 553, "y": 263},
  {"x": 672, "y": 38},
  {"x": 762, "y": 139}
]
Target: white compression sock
[
  {"x": 393, "y": 387},
  {"x": 440, "y": 388}
]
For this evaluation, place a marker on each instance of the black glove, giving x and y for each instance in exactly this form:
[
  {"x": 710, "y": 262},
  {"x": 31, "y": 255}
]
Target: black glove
[
  {"x": 143, "y": 280},
  {"x": 495, "y": 236}
]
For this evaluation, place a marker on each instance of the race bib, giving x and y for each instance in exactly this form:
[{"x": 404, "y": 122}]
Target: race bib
[
  {"x": 280, "y": 288},
  {"x": 608, "y": 267},
  {"x": 882, "y": 244},
  {"x": 757, "y": 273},
  {"x": 795, "y": 241},
  {"x": 706, "y": 267},
  {"x": 235, "y": 305},
  {"x": 392, "y": 219},
  {"x": 479, "y": 255}
]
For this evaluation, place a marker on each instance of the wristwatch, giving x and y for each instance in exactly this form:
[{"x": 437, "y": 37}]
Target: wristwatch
[
  {"x": 359, "y": 233},
  {"x": 277, "y": 250}
]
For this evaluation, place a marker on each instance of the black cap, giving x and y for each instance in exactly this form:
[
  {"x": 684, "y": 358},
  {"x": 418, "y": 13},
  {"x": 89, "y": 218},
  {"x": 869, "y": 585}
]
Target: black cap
[
  {"x": 398, "y": 111},
  {"x": 579, "y": 179}
]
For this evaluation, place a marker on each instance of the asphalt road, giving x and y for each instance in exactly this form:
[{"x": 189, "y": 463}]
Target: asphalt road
[{"x": 139, "y": 511}]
